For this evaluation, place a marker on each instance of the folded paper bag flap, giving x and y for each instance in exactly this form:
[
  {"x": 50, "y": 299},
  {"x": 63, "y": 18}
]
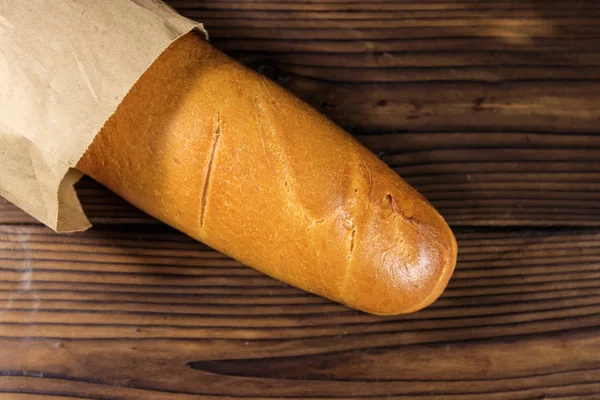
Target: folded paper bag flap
[
  {"x": 30, "y": 177},
  {"x": 65, "y": 66}
]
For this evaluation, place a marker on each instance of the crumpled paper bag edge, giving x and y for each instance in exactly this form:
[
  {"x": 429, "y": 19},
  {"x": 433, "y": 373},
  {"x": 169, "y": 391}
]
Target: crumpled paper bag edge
[
  {"x": 69, "y": 204},
  {"x": 69, "y": 215}
]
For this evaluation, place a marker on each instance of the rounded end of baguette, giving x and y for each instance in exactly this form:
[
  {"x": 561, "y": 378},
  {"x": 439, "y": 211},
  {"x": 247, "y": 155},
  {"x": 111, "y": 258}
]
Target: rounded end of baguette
[
  {"x": 404, "y": 254},
  {"x": 400, "y": 283}
]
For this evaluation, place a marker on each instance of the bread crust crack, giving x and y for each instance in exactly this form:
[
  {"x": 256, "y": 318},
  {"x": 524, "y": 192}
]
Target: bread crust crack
[{"x": 216, "y": 136}]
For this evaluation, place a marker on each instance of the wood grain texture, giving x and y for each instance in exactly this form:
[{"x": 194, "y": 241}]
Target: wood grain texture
[
  {"x": 132, "y": 313},
  {"x": 473, "y": 47},
  {"x": 488, "y": 107}
]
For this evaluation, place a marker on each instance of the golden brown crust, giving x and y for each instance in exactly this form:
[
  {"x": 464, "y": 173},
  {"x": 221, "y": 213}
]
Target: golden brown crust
[{"x": 233, "y": 160}]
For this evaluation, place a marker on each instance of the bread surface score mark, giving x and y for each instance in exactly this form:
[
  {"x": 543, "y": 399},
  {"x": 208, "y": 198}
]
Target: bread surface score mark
[
  {"x": 360, "y": 174},
  {"x": 216, "y": 136},
  {"x": 265, "y": 127},
  {"x": 352, "y": 239},
  {"x": 265, "y": 108}
]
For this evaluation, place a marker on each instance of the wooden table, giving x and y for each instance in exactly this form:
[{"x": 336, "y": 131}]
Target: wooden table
[{"x": 490, "y": 108}]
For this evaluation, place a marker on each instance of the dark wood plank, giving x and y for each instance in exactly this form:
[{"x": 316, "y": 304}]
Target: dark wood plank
[
  {"x": 147, "y": 313},
  {"x": 528, "y": 66},
  {"x": 31, "y": 396}
]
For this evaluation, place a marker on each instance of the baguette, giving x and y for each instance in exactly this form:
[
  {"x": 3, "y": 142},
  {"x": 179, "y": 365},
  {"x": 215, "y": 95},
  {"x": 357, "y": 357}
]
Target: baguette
[{"x": 223, "y": 154}]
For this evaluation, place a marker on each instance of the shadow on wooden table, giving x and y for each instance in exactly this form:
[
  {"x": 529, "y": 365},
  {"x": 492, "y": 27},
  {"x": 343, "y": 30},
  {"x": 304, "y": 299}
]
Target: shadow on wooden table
[
  {"x": 192, "y": 320},
  {"x": 125, "y": 307}
]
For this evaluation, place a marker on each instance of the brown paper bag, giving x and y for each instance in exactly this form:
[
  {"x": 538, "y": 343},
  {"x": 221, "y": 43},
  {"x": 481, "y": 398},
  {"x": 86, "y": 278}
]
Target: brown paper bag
[{"x": 64, "y": 68}]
